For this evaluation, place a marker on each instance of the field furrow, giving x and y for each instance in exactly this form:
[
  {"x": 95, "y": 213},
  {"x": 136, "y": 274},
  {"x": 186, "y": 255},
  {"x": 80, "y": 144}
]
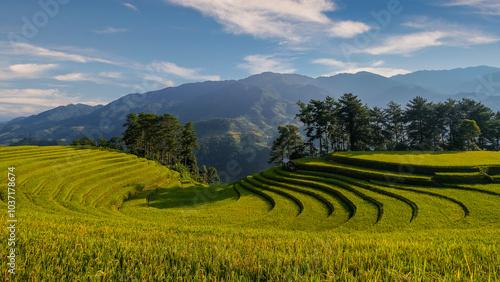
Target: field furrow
[
  {"x": 255, "y": 182},
  {"x": 243, "y": 184},
  {"x": 324, "y": 178},
  {"x": 268, "y": 179},
  {"x": 79, "y": 188}
]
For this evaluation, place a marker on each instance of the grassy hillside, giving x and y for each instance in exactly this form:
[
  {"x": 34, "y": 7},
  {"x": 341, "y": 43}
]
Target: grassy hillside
[{"x": 83, "y": 215}]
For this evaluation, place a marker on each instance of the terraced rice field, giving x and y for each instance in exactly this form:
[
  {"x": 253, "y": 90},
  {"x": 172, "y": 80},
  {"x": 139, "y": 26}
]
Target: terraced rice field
[
  {"x": 361, "y": 197},
  {"x": 84, "y": 216}
]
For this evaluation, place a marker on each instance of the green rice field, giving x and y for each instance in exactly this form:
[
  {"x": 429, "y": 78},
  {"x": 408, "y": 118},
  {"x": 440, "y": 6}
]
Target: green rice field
[{"x": 94, "y": 215}]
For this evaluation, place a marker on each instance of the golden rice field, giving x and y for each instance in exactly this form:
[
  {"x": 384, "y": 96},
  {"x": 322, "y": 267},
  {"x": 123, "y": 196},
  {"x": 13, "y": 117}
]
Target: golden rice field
[
  {"x": 83, "y": 215},
  {"x": 470, "y": 158}
]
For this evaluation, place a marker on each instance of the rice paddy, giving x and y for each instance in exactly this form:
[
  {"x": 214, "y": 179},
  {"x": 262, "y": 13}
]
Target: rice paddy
[{"x": 94, "y": 215}]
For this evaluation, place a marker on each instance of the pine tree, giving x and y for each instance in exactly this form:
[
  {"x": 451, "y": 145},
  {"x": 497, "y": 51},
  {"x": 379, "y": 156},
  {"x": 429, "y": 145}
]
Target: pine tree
[
  {"x": 379, "y": 136},
  {"x": 188, "y": 143},
  {"x": 354, "y": 116},
  {"x": 131, "y": 135},
  {"x": 148, "y": 131},
  {"x": 318, "y": 116},
  {"x": 393, "y": 115},
  {"x": 417, "y": 114},
  {"x": 452, "y": 118},
  {"x": 288, "y": 144},
  {"x": 167, "y": 138},
  {"x": 278, "y": 150}
]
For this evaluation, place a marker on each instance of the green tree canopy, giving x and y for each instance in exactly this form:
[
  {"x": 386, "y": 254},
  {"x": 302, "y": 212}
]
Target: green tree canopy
[
  {"x": 163, "y": 139},
  {"x": 469, "y": 131},
  {"x": 347, "y": 124},
  {"x": 355, "y": 119},
  {"x": 289, "y": 144}
]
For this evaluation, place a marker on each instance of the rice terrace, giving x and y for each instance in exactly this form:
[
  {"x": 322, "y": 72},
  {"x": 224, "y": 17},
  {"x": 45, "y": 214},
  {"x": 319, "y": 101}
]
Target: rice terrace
[{"x": 87, "y": 214}]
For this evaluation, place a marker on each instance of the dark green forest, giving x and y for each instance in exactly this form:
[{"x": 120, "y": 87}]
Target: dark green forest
[
  {"x": 160, "y": 138},
  {"x": 345, "y": 124},
  {"x": 38, "y": 142}
]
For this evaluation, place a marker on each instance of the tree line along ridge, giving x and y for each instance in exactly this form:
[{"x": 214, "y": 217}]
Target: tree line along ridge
[{"x": 345, "y": 124}]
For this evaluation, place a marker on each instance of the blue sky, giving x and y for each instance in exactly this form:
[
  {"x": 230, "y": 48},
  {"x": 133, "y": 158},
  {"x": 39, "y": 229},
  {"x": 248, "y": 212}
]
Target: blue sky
[{"x": 56, "y": 52}]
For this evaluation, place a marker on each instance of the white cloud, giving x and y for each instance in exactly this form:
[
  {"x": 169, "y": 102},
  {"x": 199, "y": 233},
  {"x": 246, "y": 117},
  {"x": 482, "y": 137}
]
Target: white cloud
[
  {"x": 26, "y": 71},
  {"x": 186, "y": 73},
  {"x": 292, "y": 20},
  {"x": 78, "y": 76},
  {"x": 333, "y": 63},
  {"x": 485, "y": 7},
  {"x": 110, "y": 30},
  {"x": 32, "y": 50},
  {"x": 432, "y": 33},
  {"x": 348, "y": 29},
  {"x": 354, "y": 67},
  {"x": 259, "y": 63},
  {"x": 103, "y": 78},
  {"x": 162, "y": 81},
  {"x": 31, "y": 68},
  {"x": 109, "y": 74},
  {"x": 404, "y": 44},
  {"x": 130, "y": 6},
  {"x": 377, "y": 63}
]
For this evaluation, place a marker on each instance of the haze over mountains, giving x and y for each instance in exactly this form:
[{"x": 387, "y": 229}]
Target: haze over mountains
[{"x": 236, "y": 120}]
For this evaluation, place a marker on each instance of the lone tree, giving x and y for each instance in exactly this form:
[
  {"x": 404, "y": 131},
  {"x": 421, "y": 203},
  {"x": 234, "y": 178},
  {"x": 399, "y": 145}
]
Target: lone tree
[{"x": 288, "y": 144}]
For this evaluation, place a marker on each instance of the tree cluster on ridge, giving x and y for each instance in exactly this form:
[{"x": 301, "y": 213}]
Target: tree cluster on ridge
[
  {"x": 348, "y": 125},
  {"x": 160, "y": 138}
]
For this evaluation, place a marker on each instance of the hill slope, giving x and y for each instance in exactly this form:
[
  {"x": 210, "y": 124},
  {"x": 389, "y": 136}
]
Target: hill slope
[{"x": 332, "y": 219}]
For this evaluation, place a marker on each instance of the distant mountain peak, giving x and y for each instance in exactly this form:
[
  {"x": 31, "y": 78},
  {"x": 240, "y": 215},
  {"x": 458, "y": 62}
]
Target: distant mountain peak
[
  {"x": 59, "y": 113},
  {"x": 273, "y": 78},
  {"x": 448, "y": 81}
]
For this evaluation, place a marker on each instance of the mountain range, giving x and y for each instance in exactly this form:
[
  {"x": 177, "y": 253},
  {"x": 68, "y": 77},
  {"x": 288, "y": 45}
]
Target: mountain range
[{"x": 236, "y": 120}]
